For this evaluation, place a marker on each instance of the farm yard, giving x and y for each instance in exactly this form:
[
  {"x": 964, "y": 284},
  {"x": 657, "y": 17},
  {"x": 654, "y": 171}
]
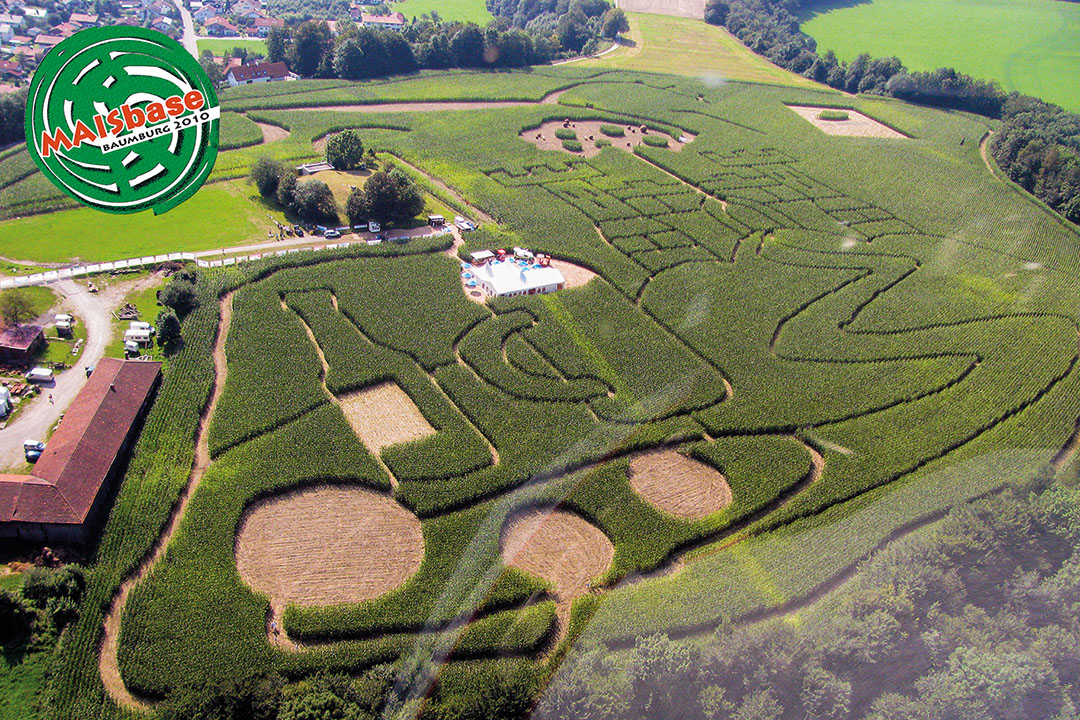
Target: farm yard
[{"x": 782, "y": 354}]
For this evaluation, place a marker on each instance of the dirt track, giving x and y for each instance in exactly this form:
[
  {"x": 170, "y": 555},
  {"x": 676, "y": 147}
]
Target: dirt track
[
  {"x": 107, "y": 661},
  {"x": 679, "y": 8},
  {"x": 435, "y": 106},
  {"x": 272, "y": 133},
  {"x": 95, "y": 313}
]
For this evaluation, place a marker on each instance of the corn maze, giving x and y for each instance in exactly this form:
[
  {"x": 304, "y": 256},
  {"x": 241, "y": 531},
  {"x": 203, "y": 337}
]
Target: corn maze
[{"x": 815, "y": 319}]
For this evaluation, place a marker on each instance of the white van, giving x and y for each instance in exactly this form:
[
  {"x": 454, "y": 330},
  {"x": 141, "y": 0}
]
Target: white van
[
  {"x": 39, "y": 375},
  {"x": 140, "y": 325}
]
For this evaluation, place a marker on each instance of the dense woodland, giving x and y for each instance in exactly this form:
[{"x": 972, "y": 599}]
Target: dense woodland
[
  {"x": 1038, "y": 147},
  {"x": 975, "y": 620}
]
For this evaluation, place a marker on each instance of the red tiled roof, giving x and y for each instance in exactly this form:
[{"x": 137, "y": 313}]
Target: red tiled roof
[
  {"x": 49, "y": 40},
  {"x": 77, "y": 460},
  {"x": 258, "y": 70},
  {"x": 83, "y": 18},
  {"x": 269, "y": 22},
  {"x": 20, "y": 337},
  {"x": 391, "y": 19}
]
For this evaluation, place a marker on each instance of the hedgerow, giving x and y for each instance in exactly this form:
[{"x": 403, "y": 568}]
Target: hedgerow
[
  {"x": 565, "y": 134},
  {"x": 655, "y": 141},
  {"x": 612, "y": 130},
  {"x": 572, "y": 145}
]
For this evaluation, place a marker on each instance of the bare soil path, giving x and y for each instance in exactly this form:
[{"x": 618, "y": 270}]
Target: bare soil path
[
  {"x": 107, "y": 661},
  {"x": 95, "y": 313},
  {"x": 271, "y": 133},
  {"x": 430, "y": 106},
  {"x": 983, "y": 150}
]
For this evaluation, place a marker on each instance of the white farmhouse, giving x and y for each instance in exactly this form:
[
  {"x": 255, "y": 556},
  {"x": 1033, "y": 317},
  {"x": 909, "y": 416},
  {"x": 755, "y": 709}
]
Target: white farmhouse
[{"x": 513, "y": 277}]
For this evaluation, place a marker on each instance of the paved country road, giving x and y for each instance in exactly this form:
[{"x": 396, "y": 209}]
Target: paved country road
[
  {"x": 95, "y": 312},
  {"x": 188, "y": 40}
]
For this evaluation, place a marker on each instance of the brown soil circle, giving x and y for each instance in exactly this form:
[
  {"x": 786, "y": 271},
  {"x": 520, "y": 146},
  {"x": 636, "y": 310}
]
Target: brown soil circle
[
  {"x": 559, "y": 546},
  {"x": 679, "y": 485},
  {"x": 327, "y": 544}
]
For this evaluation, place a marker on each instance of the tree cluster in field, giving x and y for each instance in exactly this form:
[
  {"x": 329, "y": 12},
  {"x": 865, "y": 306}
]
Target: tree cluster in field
[
  {"x": 45, "y": 603},
  {"x": 489, "y": 692},
  {"x": 387, "y": 196},
  {"x": 12, "y": 116},
  {"x": 1039, "y": 146},
  {"x": 973, "y": 620},
  {"x": 575, "y": 25}
]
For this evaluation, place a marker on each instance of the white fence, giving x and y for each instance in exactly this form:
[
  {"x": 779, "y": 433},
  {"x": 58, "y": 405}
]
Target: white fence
[{"x": 51, "y": 276}]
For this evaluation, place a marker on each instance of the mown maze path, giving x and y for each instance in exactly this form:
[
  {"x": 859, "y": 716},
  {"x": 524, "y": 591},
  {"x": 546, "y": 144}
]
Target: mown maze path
[
  {"x": 810, "y": 336},
  {"x": 109, "y": 668}
]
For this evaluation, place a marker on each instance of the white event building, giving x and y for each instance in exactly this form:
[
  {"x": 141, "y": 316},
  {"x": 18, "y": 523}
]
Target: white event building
[{"x": 513, "y": 276}]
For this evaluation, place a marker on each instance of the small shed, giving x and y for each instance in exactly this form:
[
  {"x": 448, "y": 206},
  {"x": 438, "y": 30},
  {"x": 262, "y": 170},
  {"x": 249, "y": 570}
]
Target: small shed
[
  {"x": 312, "y": 168},
  {"x": 481, "y": 256},
  {"x": 20, "y": 343},
  {"x": 436, "y": 220}
]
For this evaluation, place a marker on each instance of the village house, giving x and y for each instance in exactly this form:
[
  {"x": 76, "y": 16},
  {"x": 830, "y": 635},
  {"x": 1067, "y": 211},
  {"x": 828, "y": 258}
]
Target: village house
[
  {"x": 220, "y": 27},
  {"x": 83, "y": 20},
  {"x": 6, "y": 33},
  {"x": 67, "y": 489},
  {"x": 205, "y": 13},
  {"x": 264, "y": 24},
  {"x": 393, "y": 21},
  {"x": 258, "y": 73}
]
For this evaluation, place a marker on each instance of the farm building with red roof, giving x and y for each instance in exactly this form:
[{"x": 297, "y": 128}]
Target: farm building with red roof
[{"x": 61, "y": 498}]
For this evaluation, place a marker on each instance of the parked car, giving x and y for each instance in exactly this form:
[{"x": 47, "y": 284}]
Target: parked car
[
  {"x": 319, "y": 230},
  {"x": 331, "y": 234},
  {"x": 39, "y": 375},
  {"x": 360, "y": 227},
  {"x": 374, "y": 241},
  {"x": 298, "y": 230},
  {"x": 33, "y": 449}
]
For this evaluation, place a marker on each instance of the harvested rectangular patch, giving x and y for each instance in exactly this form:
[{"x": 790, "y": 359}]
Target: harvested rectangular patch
[
  {"x": 383, "y": 415},
  {"x": 857, "y": 124}
]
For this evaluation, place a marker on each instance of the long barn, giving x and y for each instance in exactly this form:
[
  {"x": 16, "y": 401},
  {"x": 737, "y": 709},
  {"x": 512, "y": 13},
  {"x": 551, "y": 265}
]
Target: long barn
[{"x": 65, "y": 492}]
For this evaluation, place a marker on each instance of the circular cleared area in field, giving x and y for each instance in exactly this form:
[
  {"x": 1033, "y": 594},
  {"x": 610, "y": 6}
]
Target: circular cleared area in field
[
  {"x": 552, "y": 136},
  {"x": 856, "y": 124},
  {"x": 559, "y": 546},
  {"x": 326, "y": 545},
  {"x": 679, "y": 485}
]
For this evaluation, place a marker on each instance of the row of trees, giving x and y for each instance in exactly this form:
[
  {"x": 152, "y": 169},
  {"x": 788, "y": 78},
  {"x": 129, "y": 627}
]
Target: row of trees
[
  {"x": 1038, "y": 146},
  {"x": 975, "y": 620},
  {"x": 358, "y": 53},
  {"x": 771, "y": 28},
  {"x": 495, "y": 692}
]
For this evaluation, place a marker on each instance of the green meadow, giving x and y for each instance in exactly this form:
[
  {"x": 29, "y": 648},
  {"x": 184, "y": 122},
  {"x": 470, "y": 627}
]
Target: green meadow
[{"x": 1032, "y": 47}]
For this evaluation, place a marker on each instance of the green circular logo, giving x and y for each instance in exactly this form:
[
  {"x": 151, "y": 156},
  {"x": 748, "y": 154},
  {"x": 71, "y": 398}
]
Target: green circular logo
[{"x": 123, "y": 119}]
